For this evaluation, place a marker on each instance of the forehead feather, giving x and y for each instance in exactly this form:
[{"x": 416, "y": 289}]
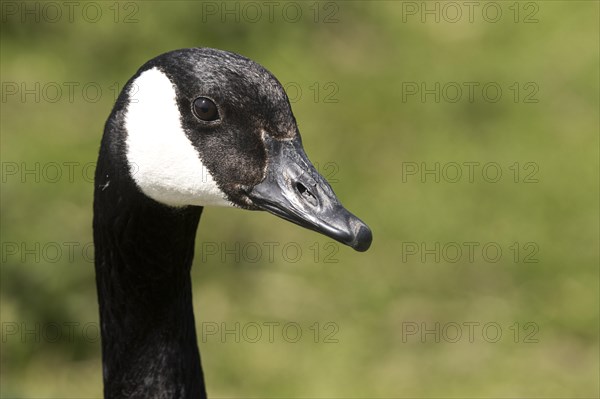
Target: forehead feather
[{"x": 217, "y": 70}]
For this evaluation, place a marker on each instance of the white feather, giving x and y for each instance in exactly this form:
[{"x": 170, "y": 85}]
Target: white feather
[{"x": 163, "y": 161}]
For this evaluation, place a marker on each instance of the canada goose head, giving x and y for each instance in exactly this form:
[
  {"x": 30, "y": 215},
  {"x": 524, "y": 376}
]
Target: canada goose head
[{"x": 205, "y": 127}]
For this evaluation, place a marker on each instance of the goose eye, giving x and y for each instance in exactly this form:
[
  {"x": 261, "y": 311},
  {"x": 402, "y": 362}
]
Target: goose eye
[{"x": 205, "y": 109}]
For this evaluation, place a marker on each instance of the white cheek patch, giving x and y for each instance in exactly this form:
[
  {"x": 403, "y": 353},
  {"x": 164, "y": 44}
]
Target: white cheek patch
[{"x": 163, "y": 161}]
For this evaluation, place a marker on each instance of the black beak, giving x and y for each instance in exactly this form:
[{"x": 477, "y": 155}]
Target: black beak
[{"x": 293, "y": 190}]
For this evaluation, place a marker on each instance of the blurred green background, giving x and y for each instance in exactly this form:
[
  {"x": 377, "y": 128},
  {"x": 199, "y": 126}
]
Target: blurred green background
[{"x": 349, "y": 68}]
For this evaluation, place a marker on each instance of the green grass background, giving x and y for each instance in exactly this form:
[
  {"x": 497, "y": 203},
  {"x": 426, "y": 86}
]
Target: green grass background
[{"x": 368, "y": 51}]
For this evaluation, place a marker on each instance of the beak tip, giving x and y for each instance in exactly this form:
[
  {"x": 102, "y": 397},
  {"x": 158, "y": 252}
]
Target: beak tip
[{"x": 362, "y": 240}]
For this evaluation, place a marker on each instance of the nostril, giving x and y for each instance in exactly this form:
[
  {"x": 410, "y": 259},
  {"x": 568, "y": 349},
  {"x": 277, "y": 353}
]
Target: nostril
[
  {"x": 301, "y": 189},
  {"x": 306, "y": 194}
]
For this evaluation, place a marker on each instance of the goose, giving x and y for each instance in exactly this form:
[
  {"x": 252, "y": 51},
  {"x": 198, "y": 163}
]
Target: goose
[{"x": 192, "y": 128}]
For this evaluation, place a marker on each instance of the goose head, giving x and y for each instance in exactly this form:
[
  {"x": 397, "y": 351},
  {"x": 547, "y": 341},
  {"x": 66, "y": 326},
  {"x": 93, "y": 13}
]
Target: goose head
[{"x": 205, "y": 127}]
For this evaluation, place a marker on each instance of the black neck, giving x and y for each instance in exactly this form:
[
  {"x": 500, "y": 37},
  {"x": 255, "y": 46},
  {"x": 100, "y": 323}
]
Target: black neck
[{"x": 143, "y": 256}]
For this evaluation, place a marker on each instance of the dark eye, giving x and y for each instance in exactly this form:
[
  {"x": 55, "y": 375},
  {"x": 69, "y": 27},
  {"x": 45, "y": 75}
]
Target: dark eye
[{"x": 205, "y": 109}]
